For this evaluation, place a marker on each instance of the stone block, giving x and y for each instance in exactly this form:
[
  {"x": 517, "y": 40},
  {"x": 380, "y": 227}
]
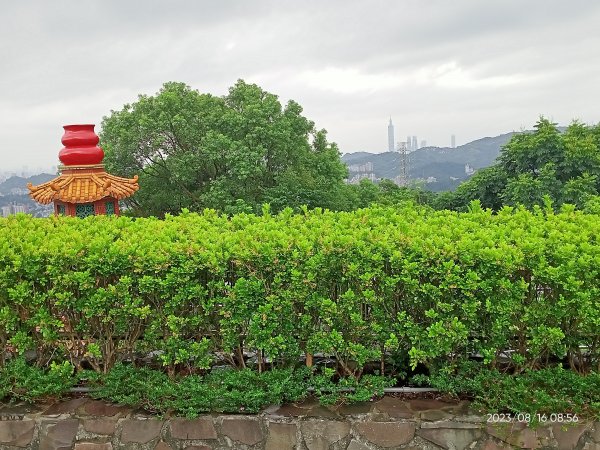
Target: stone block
[
  {"x": 491, "y": 445},
  {"x": 59, "y": 435},
  {"x": 193, "y": 429},
  {"x": 198, "y": 447},
  {"x": 100, "y": 426},
  {"x": 282, "y": 436},
  {"x": 17, "y": 433},
  {"x": 567, "y": 436},
  {"x": 65, "y": 407},
  {"x": 103, "y": 409},
  {"x": 591, "y": 446},
  {"x": 323, "y": 412},
  {"x": 450, "y": 424},
  {"x": 451, "y": 438},
  {"x": 394, "y": 407},
  {"x": 519, "y": 435},
  {"x": 18, "y": 411},
  {"x": 93, "y": 446},
  {"x": 246, "y": 431},
  {"x": 435, "y": 414},
  {"x": 357, "y": 445},
  {"x": 163, "y": 446},
  {"x": 355, "y": 409},
  {"x": 387, "y": 434},
  {"x": 429, "y": 404},
  {"x": 320, "y": 434},
  {"x": 140, "y": 431},
  {"x": 290, "y": 411},
  {"x": 462, "y": 408}
]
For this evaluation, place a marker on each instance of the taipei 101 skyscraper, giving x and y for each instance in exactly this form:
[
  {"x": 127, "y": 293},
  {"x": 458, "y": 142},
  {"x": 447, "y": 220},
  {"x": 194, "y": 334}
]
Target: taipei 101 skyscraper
[{"x": 390, "y": 136}]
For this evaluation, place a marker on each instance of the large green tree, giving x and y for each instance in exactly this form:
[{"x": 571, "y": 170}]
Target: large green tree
[
  {"x": 563, "y": 166},
  {"x": 231, "y": 153}
]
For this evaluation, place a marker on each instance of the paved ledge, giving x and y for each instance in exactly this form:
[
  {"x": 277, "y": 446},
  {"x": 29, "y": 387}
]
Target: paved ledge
[{"x": 389, "y": 423}]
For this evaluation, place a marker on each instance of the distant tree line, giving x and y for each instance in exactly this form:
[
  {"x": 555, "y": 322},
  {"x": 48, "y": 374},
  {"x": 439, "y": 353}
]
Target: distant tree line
[
  {"x": 237, "y": 152},
  {"x": 535, "y": 168}
]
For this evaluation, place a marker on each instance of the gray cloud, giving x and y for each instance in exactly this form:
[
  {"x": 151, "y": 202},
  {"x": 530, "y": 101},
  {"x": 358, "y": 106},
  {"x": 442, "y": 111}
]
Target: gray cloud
[{"x": 438, "y": 68}]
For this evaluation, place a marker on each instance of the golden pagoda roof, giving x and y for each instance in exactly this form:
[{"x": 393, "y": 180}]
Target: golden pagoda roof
[{"x": 85, "y": 184}]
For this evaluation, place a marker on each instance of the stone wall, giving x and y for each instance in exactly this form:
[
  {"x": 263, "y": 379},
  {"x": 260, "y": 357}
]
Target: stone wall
[{"x": 390, "y": 423}]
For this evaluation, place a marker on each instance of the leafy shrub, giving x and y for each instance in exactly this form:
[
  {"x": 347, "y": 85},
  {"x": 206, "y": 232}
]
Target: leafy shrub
[
  {"x": 222, "y": 390},
  {"x": 228, "y": 390},
  {"x": 348, "y": 389},
  {"x": 518, "y": 288},
  {"x": 21, "y": 381}
]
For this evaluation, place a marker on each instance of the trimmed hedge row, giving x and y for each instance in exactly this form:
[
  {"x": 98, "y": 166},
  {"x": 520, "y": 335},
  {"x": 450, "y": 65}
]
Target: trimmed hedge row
[{"x": 379, "y": 284}]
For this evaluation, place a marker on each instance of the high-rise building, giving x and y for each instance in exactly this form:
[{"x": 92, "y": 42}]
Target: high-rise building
[
  {"x": 415, "y": 144},
  {"x": 423, "y": 143},
  {"x": 453, "y": 141},
  {"x": 408, "y": 144},
  {"x": 390, "y": 136}
]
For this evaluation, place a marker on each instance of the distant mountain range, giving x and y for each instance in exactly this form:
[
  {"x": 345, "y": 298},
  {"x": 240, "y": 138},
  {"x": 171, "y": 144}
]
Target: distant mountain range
[
  {"x": 14, "y": 185},
  {"x": 441, "y": 168},
  {"x": 14, "y": 192}
]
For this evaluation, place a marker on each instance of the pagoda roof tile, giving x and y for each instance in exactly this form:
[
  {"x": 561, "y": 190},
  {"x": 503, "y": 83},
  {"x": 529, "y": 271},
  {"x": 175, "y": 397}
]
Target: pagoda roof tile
[{"x": 83, "y": 186}]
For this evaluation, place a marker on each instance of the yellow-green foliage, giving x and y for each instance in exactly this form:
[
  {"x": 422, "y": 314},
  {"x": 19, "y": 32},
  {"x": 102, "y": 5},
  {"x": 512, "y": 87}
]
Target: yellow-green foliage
[{"x": 437, "y": 286}]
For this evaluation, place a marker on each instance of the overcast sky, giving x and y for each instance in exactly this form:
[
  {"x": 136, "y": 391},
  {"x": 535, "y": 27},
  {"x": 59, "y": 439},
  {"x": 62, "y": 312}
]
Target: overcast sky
[{"x": 466, "y": 67}]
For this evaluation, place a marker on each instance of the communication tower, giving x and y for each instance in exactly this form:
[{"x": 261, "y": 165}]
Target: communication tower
[{"x": 402, "y": 178}]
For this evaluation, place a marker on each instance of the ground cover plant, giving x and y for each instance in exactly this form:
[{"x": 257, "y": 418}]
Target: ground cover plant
[
  {"x": 551, "y": 394},
  {"x": 373, "y": 292}
]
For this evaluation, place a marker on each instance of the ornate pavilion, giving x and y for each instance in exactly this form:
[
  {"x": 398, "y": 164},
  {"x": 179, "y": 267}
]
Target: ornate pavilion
[{"x": 83, "y": 187}]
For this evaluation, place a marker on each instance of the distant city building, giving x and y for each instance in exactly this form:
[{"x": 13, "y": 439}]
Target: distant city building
[
  {"x": 414, "y": 145},
  {"x": 469, "y": 170},
  {"x": 18, "y": 191},
  {"x": 358, "y": 172},
  {"x": 361, "y": 168},
  {"x": 423, "y": 143},
  {"x": 453, "y": 141},
  {"x": 408, "y": 144},
  {"x": 391, "y": 136},
  {"x": 9, "y": 210}
]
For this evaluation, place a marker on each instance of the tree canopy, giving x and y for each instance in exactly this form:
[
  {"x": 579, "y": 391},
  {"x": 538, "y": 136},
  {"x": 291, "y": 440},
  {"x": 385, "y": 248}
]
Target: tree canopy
[
  {"x": 230, "y": 153},
  {"x": 546, "y": 163}
]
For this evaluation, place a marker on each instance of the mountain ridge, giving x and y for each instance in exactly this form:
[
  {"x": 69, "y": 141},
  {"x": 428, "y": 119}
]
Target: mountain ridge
[
  {"x": 20, "y": 183},
  {"x": 444, "y": 164}
]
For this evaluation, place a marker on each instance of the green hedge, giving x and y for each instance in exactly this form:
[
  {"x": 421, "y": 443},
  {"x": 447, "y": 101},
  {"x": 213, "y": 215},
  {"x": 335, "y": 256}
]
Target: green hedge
[{"x": 376, "y": 284}]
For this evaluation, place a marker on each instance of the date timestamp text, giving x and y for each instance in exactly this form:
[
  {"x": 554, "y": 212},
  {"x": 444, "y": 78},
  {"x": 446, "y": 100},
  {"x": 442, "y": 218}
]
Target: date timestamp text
[{"x": 528, "y": 418}]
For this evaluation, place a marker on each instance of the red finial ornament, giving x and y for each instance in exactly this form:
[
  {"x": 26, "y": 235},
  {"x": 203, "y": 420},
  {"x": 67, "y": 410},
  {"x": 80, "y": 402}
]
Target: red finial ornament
[{"x": 81, "y": 146}]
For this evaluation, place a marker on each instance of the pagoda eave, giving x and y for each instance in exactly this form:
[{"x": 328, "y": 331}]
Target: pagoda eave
[{"x": 83, "y": 184}]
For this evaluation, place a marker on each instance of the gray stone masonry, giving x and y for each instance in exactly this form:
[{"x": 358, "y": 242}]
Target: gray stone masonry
[{"x": 388, "y": 423}]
